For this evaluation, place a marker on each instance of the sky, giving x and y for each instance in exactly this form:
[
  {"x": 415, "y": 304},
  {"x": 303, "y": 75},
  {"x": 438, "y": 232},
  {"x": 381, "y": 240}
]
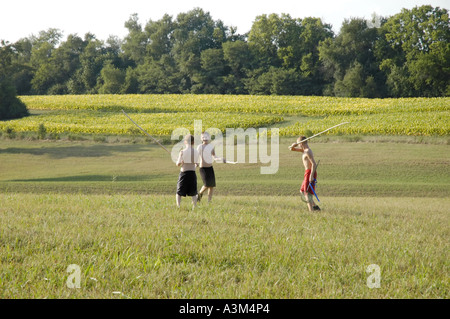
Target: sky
[{"x": 22, "y": 18}]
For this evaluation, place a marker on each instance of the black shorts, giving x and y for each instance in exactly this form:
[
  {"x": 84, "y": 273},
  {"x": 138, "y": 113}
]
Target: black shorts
[
  {"x": 208, "y": 177},
  {"x": 187, "y": 184}
]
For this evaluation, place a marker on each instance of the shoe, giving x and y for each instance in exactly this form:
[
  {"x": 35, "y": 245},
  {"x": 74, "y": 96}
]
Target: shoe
[
  {"x": 199, "y": 197},
  {"x": 316, "y": 207}
]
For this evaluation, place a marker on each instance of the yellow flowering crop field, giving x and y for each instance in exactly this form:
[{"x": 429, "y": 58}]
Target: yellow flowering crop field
[
  {"x": 161, "y": 114},
  {"x": 115, "y": 123}
]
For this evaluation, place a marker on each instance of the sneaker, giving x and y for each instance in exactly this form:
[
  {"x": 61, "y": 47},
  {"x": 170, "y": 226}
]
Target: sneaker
[{"x": 316, "y": 208}]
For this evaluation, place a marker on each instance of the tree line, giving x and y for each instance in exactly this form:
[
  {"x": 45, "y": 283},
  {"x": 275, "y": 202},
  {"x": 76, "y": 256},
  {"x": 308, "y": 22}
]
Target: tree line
[{"x": 405, "y": 55}]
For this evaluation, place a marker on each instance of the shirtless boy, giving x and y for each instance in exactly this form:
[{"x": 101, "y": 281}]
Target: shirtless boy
[
  {"x": 308, "y": 184},
  {"x": 187, "y": 180}
]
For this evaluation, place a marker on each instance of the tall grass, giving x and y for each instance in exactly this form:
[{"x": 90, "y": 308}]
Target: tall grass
[{"x": 141, "y": 246}]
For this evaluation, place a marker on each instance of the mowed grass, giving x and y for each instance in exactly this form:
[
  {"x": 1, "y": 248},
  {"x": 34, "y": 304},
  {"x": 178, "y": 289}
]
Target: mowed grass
[
  {"x": 110, "y": 209},
  {"x": 396, "y": 167},
  {"x": 140, "y": 246}
]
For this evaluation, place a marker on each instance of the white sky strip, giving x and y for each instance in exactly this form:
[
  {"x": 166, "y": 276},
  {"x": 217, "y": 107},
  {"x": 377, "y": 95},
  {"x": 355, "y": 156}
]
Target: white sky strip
[{"x": 22, "y": 18}]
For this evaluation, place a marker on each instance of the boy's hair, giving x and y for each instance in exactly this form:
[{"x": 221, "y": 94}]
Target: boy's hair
[
  {"x": 189, "y": 138},
  {"x": 301, "y": 138}
]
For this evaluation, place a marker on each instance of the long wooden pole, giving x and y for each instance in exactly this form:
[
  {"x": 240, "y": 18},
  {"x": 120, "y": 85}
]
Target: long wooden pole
[
  {"x": 321, "y": 133},
  {"x": 146, "y": 132}
]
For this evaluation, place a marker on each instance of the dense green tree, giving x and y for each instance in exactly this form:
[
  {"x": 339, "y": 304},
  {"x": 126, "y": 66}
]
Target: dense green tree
[
  {"x": 283, "y": 42},
  {"x": 314, "y": 31},
  {"x": 349, "y": 59},
  {"x": 159, "y": 76},
  {"x": 91, "y": 63},
  {"x": 239, "y": 61},
  {"x": 111, "y": 79},
  {"x": 10, "y": 105},
  {"x": 263, "y": 40},
  {"x": 135, "y": 43},
  {"x": 421, "y": 39},
  {"x": 65, "y": 61},
  {"x": 43, "y": 47},
  {"x": 352, "y": 84},
  {"x": 160, "y": 34},
  {"x": 210, "y": 78},
  {"x": 23, "y": 72},
  {"x": 275, "y": 81},
  {"x": 195, "y": 32},
  {"x": 131, "y": 83},
  {"x": 407, "y": 54}
]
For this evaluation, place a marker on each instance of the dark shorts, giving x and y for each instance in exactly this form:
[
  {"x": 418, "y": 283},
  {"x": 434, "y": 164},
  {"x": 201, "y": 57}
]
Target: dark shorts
[
  {"x": 187, "y": 184},
  {"x": 208, "y": 177}
]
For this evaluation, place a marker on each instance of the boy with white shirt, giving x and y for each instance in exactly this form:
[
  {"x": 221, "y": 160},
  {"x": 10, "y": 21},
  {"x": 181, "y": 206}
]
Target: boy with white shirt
[{"x": 207, "y": 156}]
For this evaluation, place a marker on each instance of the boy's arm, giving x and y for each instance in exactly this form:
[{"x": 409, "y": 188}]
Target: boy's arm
[
  {"x": 199, "y": 152},
  {"x": 180, "y": 159},
  {"x": 217, "y": 159},
  {"x": 294, "y": 148},
  {"x": 197, "y": 158}
]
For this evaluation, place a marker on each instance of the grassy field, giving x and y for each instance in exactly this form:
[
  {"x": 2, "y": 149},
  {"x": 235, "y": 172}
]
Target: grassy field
[
  {"x": 239, "y": 247},
  {"x": 373, "y": 167},
  {"x": 110, "y": 209}
]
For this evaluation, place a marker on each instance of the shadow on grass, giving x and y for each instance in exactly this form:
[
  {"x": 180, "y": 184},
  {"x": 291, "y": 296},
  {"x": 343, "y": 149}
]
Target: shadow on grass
[
  {"x": 97, "y": 178},
  {"x": 59, "y": 152}
]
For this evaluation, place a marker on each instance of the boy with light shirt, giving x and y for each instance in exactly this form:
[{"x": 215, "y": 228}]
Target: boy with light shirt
[{"x": 207, "y": 155}]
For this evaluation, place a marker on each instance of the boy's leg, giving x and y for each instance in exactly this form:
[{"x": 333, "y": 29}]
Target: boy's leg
[
  {"x": 200, "y": 193},
  {"x": 309, "y": 201},
  {"x": 178, "y": 200},
  {"x": 210, "y": 193},
  {"x": 194, "y": 200}
]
